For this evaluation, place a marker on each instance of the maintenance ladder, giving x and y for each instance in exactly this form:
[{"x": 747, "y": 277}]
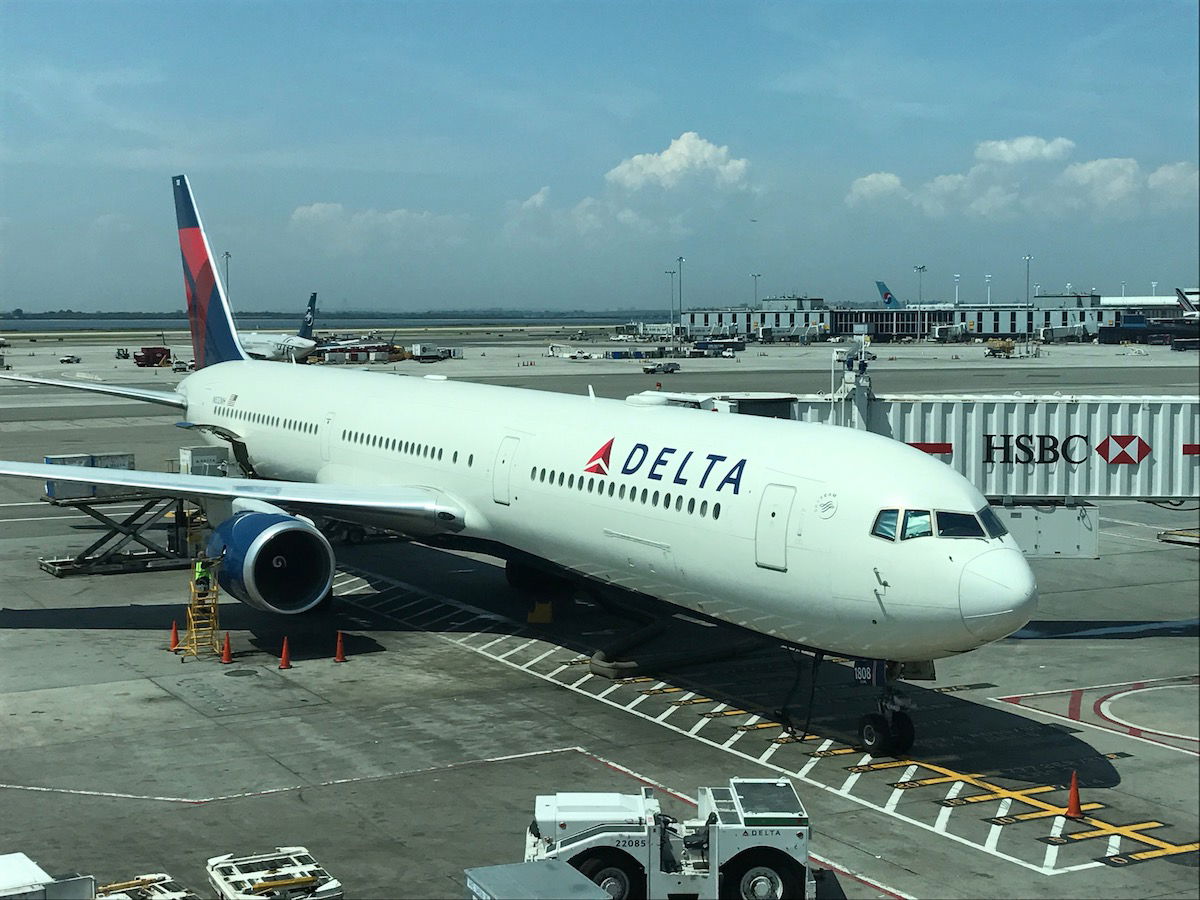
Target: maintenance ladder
[{"x": 203, "y": 623}]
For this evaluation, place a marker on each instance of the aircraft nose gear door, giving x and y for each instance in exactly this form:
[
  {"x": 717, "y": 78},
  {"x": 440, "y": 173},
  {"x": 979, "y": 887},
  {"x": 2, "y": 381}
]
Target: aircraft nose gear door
[
  {"x": 503, "y": 468},
  {"x": 770, "y": 537}
]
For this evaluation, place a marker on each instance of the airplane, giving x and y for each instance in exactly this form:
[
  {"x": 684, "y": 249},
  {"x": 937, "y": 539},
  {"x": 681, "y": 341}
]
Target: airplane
[
  {"x": 275, "y": 347},
  {"x": 1187, "y": 299},
  {"x": 823, "y": 537},
  {"x": 890, "y": 301}
]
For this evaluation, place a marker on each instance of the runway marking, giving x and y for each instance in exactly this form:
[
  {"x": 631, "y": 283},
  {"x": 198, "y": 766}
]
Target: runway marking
[
  {"x": 939, "y": 774},
  {"x": 993, "y": 837},
  {"x": 894, "y": 800}
]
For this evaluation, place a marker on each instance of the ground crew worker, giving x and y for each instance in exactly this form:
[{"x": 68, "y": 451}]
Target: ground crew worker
[{"x": 202, "y": 575}]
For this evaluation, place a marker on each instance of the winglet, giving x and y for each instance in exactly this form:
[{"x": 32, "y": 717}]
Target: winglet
[{"x": 214, "y": 336}]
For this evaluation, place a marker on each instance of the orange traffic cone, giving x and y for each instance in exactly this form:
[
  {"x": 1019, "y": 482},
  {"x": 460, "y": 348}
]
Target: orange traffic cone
[
  {"x": 1074, "y": 810},
  {"x": 285, "y": 659},
  {"x": 340, "y": 654},
  {"x": 174, "y": 637},
  {"x": 226, "y": 652}
]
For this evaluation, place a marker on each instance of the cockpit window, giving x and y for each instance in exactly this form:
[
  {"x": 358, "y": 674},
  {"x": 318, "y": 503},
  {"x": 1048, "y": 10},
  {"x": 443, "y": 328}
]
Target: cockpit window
[
  {"x": 992, "y": 523},
  {"x": 958, "y": 525},
  {"x": 885, "y": 524},
  {"x": 917, "y": 523}
]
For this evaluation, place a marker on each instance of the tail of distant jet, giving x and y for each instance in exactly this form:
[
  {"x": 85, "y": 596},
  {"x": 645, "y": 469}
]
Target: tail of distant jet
[
  {"x": 1190, "y": 310},
  {"x": 889, "y": 299},
  {"x": 214, "y": 336},
  {"x": 310, "y": 316}
]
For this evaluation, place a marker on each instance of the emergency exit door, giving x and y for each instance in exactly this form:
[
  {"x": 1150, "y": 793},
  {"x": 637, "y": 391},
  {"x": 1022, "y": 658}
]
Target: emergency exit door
[
  {"x": 502, "y": 470},
  {"x": 770, "y": 536}
]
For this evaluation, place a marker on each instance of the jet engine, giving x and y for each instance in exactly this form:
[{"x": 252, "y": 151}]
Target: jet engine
[{"x": 273, "y": 561}]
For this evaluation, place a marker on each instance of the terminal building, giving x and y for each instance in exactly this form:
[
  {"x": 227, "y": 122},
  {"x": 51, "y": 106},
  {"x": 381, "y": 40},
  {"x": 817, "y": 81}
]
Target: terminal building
[{"x": 1044, "y": 317}]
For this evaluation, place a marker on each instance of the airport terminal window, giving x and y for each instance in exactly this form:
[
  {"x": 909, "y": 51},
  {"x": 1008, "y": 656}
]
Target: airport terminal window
[
  {"x": 992, "y": 522},
  {"x": 885, "y": 524},
  {"x": 916, "y": 524},
  {"x": 958, "y": 525}
]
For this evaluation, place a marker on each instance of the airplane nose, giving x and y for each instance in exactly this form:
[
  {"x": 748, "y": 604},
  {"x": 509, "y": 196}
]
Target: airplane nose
[{"x": 997, "y": 594}]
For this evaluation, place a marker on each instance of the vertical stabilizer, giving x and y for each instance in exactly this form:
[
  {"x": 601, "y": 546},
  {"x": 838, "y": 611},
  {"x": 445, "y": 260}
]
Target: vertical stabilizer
[
  {"x": 214, "y": 336},
  {"x": 310, "y": 316},
  {"x": 889, "y": 299}
]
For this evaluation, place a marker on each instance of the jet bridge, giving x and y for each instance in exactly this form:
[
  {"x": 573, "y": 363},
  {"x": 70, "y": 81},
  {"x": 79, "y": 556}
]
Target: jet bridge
[{"x": 1042, "y": 460}]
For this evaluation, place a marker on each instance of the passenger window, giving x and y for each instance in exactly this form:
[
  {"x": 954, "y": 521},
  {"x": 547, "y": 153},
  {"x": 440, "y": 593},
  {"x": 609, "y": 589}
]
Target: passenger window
[
  {"x": 885, "y": 524},
  {"x": 958, "y": 525},
  {"x": 917, "y": 524},
  {"x": 992, "y": 522}
]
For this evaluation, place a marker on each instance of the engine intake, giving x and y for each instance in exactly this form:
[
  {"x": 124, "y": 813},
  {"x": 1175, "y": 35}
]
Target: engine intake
[{"x": 273, "y": 562}]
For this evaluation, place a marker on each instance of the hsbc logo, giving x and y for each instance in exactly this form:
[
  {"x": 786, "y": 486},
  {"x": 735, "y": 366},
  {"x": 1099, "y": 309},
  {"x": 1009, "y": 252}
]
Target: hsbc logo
[
  {"x": 1047, "y": 449},
  {"x": 682, "y": 467}
]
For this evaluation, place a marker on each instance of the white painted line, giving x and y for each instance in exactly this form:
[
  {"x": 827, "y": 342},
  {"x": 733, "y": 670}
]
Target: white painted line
[
  {"x": 463, "y": 640},
  {"x": 1056, "y": 830},
  {"x": 770, "y": 751},
  {"x": 662, "y": 716},
  {"x": 705, "y": 720},
  {"x": 854, "y": 776},
  {"x": 490, "y": 643},
  {"x": 507, "y": 653},
  {"x": 576, "y": 684},
  {"x": 943, "y": 818},
  {"x": 1106, "y": 710},
  {"x": 79, "y": 793},
  {"x": 556, "y": 671},
  {"x": 737, "y": 735},
  {"x": 808, "y": 766},
  {"x": 994, "y": 832},
  {"x": 897, "y": 793},
  {"x": 1114, "y": 845},
  {"x": 608, "y": 690},
  {"x": 539, "y": 658},
  {"x": 642, "y": 696}
]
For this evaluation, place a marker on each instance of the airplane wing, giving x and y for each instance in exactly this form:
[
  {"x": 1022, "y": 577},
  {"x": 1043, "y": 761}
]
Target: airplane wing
[
  {"x": 165, "y": 398},
  {"x": 422, "y": 509}
]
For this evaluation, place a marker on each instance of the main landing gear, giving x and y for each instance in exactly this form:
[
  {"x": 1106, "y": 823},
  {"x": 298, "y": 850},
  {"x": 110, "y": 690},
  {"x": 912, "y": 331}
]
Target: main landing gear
[{"x": 889, "y": 731}]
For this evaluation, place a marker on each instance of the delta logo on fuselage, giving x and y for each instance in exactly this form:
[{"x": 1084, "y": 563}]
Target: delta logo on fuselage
[{"x": 682, "y": 467}]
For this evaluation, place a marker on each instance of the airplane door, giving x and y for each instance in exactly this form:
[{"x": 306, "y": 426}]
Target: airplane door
[
  {"x": 770, "y": 536},
  {"x": 327, "y": 437},
  {"x": 503, "y": 469}
]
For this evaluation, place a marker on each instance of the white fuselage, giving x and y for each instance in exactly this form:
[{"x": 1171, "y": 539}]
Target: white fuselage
[
  {"x": 759, "y": 522},
  {"x": 276, "y": 347}
]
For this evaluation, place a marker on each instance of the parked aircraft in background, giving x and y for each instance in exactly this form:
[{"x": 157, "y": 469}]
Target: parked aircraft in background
[
  {"x": 825, "y": 537},
  {"x": 293, "y": 347},
  {"x": 889, "y": 299}
]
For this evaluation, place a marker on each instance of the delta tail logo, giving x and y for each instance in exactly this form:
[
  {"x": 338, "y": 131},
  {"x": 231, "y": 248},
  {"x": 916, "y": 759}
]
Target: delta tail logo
[
  {"x": 598, "y": 464},
  {"x": 673, "y": 465}
]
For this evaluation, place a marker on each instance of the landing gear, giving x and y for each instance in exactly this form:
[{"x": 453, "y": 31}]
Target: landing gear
[{"x": 890, "y": 731}]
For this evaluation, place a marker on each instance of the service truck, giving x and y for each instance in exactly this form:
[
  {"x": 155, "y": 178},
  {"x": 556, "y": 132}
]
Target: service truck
[{"x": 749, "y": 840}]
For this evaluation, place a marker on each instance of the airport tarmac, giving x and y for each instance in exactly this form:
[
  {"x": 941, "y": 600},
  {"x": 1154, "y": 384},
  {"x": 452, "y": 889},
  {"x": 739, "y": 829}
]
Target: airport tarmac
[{"x": 422, "y": 755}]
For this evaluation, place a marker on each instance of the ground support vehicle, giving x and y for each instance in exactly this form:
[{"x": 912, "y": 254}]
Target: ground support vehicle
[
  {"x": 662, "y": 368},
  {"x": 287, "y": 873},
  {"x": 749, "y": 840}
]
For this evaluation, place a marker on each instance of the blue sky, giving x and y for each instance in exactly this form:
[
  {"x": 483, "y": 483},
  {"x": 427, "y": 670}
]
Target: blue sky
[{"x": 411, "y": 156}]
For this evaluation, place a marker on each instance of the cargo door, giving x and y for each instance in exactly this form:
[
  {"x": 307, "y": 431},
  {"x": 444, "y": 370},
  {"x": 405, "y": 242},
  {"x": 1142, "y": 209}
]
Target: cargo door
[
  {"x": 770, "y": 536},
  {"x": 502, "y": 470}
]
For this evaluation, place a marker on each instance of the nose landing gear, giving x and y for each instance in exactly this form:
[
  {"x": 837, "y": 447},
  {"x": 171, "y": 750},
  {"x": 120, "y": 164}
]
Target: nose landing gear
[{"x": 890, "y": 731}]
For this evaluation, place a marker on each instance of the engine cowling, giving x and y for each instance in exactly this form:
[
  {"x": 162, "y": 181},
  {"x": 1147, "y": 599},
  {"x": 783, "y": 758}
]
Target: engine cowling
[{"x": 273, "y": 561}]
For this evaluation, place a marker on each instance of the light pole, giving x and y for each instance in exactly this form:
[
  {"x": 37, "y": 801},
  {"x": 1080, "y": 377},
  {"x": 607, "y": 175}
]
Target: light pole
[
  {"x": 1027, "y": 257},
  {"x": 226, "y": 255},
  {"x": 1154, "y": 289},
  {"x": 756, "y": 276},
  {"x": 920, "y": 270},
  {"x": 1122, "y": 289},
  {"x": 680, "y": 261},
  {"x": 671, "y": 307},
  {"x": 956, "y": 277},
  {"x": 988, "y": 280},
  {"x": 1068, "y": 287},
  {"x": 1037, "y": 288}
]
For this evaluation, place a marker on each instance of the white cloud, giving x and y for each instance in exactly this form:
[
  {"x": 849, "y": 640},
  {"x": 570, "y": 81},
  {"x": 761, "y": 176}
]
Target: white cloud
[
  {"x": 342, "y": 232},
  {"x": 538, "y": 200},
  {"x": 1023, "y": 149},
  {"x": 1102, "y": 183},
  {"x": 876, "y": 186},
  {"x": 1175, "y": 184},
  {"x": 688, "y": 155}
]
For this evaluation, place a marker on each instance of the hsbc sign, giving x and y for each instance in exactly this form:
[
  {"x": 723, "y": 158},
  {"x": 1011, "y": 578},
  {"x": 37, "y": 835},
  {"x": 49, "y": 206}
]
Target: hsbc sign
[{"x": 1047, "y": 449}]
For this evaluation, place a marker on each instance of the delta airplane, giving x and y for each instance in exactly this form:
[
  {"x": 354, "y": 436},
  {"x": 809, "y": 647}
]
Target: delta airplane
[
  {"x": 276, "y": 347},
  {"x": 821, "y": 536}
]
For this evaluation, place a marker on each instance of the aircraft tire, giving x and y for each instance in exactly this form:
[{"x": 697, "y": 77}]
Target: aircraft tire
[
  {"x": 903, "y": 733},
  {"x": 762, "y": 873},
  {"x": 875, "y": 735},
  {"x": 614, "y": 871}
]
